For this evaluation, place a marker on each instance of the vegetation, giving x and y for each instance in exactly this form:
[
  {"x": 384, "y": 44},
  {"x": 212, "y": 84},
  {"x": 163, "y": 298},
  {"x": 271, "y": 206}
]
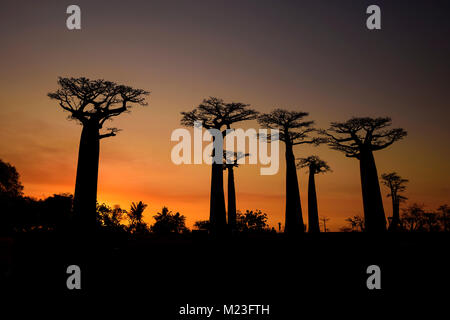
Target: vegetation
[
  {"x": 414, "y": 218},
  {"x": 214, "y": 113},
  {"x": 396, "y": 185},
  {"x": 315, "y": 166},
  {"x": 92, "y": 103},
  {"x": 168, "y": 222},
  {"x": 231, "y": 162},
  {"x": 293, "y": 130},
  {"x": 359, "y": 138}
]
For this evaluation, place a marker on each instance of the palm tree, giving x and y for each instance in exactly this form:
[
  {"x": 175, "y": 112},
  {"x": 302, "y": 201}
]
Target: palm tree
[
  {"x": 135, "y": 216},
  {"x": 315, "y": 166},
  {"x": 167, "y": 222}
]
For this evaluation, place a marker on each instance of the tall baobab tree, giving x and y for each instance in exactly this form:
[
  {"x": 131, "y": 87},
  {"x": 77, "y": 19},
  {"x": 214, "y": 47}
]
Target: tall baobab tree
[
  {"x": 92, "y": 103},
  {"x": 396, "y": 185},
  {"x": 292, "y": 131},
  {"x": 231, "y": 162},
  {"x": 324, "y": 221},
  {"x": 359, "y": 138},
  {"x": 214, "y": 113},
  {"x": 315, "y": 166}
]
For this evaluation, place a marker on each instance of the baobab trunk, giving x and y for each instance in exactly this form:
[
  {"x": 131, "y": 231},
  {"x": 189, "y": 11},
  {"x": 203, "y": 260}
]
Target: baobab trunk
[
  {"x": 85, "y": 198},
  {"x": 394, "y": 226},
  {"x": 294, "y": 219},
  {"x": 375, "y": 220},
  {"x": 217, "y": 212},
  {"x": 313, "y": 214},
  {"x": 231, "y": 199}
]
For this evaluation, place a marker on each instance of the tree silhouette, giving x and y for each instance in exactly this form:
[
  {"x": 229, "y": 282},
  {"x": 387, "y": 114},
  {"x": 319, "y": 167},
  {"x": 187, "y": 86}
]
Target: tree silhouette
[
  {"x": 413, "y": 217},
  {"x": 111, "y": 218},
  {"x": 315, "y": 166},
  {"x": 11, "y": 198},
  {"x": 56, "y": 210},
  {"x": 10, "y": 185},
  {"x": 356, "y": 222},
  {"x": 359, "y": 138},
  {"x": 324, "y": 221},
  {"x": 135, "y": 216},
  {"x": 92, "y": 103},
  {"x": 292, "y": 131},
  {"x": 167, "y": 222},
  {"x": 202, "y": 225},
  {"x": 231, "y": 159},
  {"x": 396, "y": 185},
  {"x": 444, "y": 217},
  {"x": 251, "y": 221},
  {"x": 416, "y": 218},
  {"x": 214, "y": 113}
]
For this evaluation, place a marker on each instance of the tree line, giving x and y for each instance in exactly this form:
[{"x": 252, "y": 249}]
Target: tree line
[
  {"x": 22, "y": 213},
  {"x": 414, "y": 218},
  {"x": 357, "y": 138},
  {"x": 94, "y": 102}
]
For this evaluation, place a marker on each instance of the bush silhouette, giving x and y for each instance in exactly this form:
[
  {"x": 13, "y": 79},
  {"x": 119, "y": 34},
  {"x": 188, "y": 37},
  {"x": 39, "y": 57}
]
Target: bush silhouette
[{"x": 168, "y": 222}]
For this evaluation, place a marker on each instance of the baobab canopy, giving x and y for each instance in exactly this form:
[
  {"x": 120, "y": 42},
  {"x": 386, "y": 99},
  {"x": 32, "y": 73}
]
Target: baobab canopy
[{"x": 99, "y": 99}]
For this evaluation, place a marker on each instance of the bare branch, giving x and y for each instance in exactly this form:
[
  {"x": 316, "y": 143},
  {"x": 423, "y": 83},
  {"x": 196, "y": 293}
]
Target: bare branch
[
  {"x": 89, "y": 99},
  {"x": 112, "y": 133}
]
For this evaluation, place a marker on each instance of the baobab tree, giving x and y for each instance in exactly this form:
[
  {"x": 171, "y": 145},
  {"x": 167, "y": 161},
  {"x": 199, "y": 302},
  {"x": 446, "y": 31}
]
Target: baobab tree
[
  {"x": 92, "y": 103},
  {"x": 324, "y": 221},
  {"x": 231, "y": 162},
  {"x": 315, "y": 166},
  {"x": 214, "y": 113},
  {"x": 396, "y": 185},
  {"x": 292, "y": 131},
  {"x": 359, "y": 138}
]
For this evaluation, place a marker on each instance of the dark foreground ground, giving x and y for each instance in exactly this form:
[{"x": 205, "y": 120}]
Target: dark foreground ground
[{"x": 170, "y": 272}]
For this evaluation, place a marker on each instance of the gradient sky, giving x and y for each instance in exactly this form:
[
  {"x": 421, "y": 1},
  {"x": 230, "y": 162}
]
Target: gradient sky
[{"x": 314, "y": 56}]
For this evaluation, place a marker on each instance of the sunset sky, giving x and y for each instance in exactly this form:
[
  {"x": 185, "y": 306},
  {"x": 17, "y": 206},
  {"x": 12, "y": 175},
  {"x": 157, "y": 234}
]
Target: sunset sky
[{"x": 314, "y": 56}]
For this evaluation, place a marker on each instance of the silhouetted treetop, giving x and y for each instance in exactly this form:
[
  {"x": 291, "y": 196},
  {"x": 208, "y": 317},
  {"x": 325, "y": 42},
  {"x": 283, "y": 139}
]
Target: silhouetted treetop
[
  {"x": 168, "y": 222},
  {"x": 215, "y": 113},
  {"x": 395, "y": 183},
  {"x": 111, "y": 217},
  {"x": 87, "y": 99},
  {"x": 231, "y": 158},
  {"x": 314, "y": 163},
  {"x": 359, "y": 133},
  {"x": 137, "y": 211},
  {"x": 293, "y": 129},
  {"x": 251, "y": 220},
  {"x": 9, "y": 180}
]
